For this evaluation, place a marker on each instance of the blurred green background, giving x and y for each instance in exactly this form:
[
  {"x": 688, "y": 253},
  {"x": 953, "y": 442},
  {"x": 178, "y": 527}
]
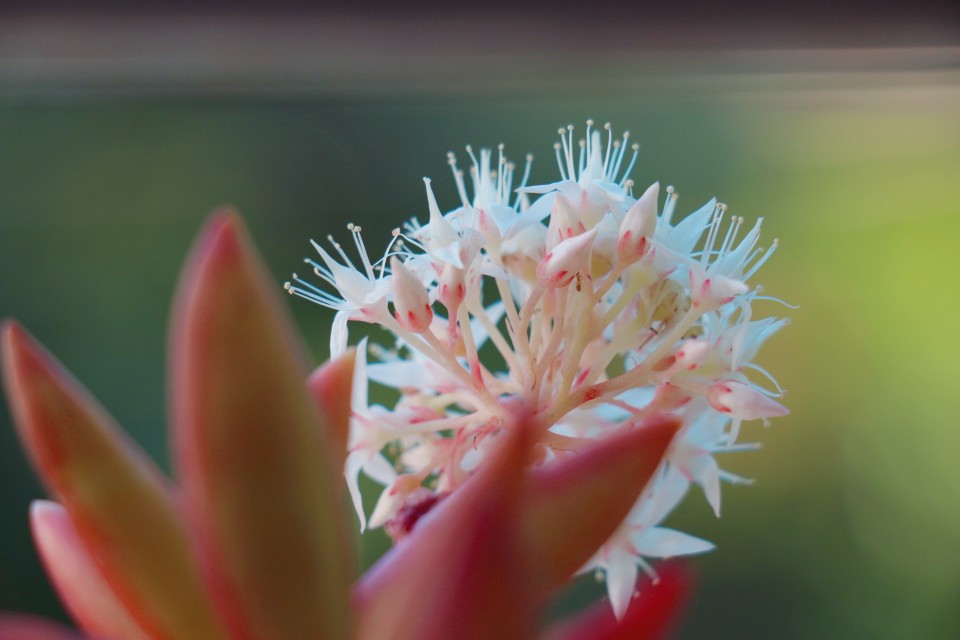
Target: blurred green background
[{"x": 852, "y": 529}]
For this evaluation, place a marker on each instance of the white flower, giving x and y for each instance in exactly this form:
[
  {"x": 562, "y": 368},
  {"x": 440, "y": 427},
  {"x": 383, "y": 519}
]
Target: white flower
[
  {"x": 640, "y": 538},
  {"x": 361, "y": 293},
  {"x": 602, "y": 312}
]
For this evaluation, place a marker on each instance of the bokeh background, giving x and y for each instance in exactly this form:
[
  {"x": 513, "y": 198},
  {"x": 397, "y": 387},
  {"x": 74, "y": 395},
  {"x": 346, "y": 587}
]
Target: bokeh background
[{"x": 119, "y": 132}]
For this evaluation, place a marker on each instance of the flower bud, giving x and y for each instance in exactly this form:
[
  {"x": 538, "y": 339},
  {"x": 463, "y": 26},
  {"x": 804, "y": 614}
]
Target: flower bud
[
  {"x": 452, "y": 288},
  {"x": 742, "y": 401},
  {"x": 410, "y": 300},
  {"x": 564, "y": 222},
  {"x": 638, "y": 226},
  {"x": 691, "y": 354},
  {"x": 568, "y": 258},
  {"x": 711, "y": 292}
]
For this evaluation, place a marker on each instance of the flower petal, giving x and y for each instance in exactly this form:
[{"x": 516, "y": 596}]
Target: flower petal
[
  {"x": 621, "y": 581},
  {"x": 80, "y": 584},
  {"x": 661, "y": 542},
  {"x": 651, "y": 615},
  {"x": 574, "y": 505},
  {"x": 117, "y": 499},
  {"x": 261, "y": 493},
  {"x": 459, "y": 574}
]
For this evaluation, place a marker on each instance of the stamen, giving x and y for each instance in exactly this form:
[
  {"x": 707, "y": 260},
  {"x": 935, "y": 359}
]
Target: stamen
[
  {"x": 712, "y": 233},
  {"x": 759, "y": 263},
  {"x": 606, "y": 159},
  {"x": 633, "y": 160},
  {"x": 523, "y": 181},
  {"x": 556, "y": 148}
]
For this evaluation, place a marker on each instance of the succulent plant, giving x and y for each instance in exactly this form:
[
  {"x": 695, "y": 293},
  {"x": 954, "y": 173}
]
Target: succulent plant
[{"x": 250, "y": 540}]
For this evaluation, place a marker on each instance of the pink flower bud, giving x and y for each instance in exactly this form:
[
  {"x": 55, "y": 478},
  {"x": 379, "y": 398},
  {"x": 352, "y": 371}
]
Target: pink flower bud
[
  {"x": 742, "y": 401},
  {"x": 692, "y": 354},
  {"x": 638, "y": 226},
  {"x": 410, "y": 300},
  {"x": 709, "y": 292},
  {"x": 452, "y": 288},
  {"x": 564, "y": 222},
  {"x": 568, "y": 258}
]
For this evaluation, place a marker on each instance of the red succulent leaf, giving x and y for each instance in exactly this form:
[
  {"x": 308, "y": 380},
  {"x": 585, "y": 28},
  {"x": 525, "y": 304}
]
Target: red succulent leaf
[
  {"x": 24, "y": 627},
  {"x": 259, "y": 486},
  {"x": 460, "y": 573},
  {"x": 331, "y": 386},
  {"x": 117, "y": 500},
  {"x": 576, "y": 503},
  {"x": 73, "y": 572}
]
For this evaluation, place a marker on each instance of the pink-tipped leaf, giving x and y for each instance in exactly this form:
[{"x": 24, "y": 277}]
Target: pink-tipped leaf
[
  {"x": 331, "y": 386},
  {"x": 460, "y": 573},
  {"x": 80, "y": 584},
  {"x": 25, "y": 627},
  {"x": 575, "y": 504},
  {"x": 260, "y": 491},
  {"x": 117, "y": 500}
]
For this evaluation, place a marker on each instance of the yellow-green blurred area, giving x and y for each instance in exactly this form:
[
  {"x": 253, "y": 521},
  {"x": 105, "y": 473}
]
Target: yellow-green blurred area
[{"x": 852, "y": 528}]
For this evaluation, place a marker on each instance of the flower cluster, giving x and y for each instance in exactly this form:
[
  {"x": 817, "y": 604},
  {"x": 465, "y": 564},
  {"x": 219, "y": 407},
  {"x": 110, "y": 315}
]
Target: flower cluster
[{"x": 591, "y": 309}]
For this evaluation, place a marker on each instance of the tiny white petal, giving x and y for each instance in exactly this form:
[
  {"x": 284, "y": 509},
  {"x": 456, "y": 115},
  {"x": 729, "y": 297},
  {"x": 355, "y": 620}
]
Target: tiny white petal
[
  {"x": 621, "y": 570},
  {"x": 661, "y": 542}
]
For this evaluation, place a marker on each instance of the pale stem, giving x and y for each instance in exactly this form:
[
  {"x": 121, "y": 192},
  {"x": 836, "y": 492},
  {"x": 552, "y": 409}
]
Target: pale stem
[
  {"x": 430, "y": 346},
  {"x": 452, "y": 365},
  {"x": 519, "y": 339},
  {"x": 549, "y": 353},
  {"x": 626, "y": 296},
  {"x": 496, "y": 337},
  {"x": 609, "y": 281},
  {"x": 580, "y": 319},
  {"x": 619, "y": 344},
  {"x": 529, "y": 306},
  {"x": 636, "y": 377},
  {"x": 469, "y": 344}
]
